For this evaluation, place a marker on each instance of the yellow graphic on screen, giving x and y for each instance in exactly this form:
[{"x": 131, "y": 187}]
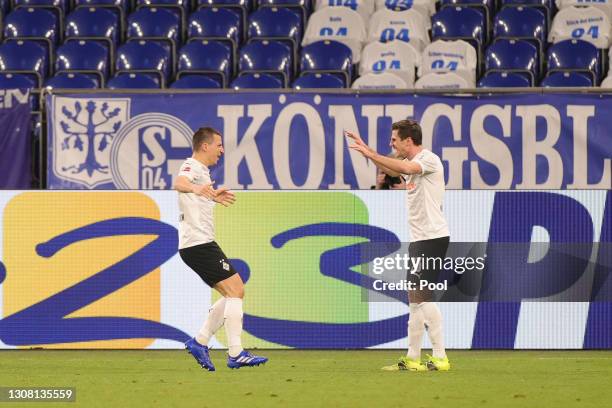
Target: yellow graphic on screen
[{"x": 34, "y": 218}]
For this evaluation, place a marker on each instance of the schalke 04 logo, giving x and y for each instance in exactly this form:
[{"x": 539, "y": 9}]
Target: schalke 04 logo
[{"x": 148, "y": 150}]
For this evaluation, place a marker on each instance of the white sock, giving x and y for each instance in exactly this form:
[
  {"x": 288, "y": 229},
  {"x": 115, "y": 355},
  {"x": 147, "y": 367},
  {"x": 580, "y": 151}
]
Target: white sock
[
  {"x": 416, "y": 328},
  {"x": 213, "y": 322},
  {"x": 233, "y": 325},
  {"x": 433, "y": 318}
]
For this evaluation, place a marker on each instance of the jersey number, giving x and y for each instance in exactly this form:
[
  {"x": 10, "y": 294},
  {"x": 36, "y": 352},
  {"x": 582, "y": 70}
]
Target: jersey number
[
  {"x": 593, "y": 31},
  {"x": 346, "y": 3},
  {"x": 389, "y": 34},
  {"x": 327, "y": 31},
  {"x": 381, "y": 65},
  {"x": 439, "y": 64},
  {"x": 398, "y": 4}
]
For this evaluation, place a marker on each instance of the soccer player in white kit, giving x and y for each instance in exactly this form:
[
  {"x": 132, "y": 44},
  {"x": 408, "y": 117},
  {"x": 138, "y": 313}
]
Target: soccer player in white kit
[
  {"x": 429, "y": 236},
  {"x": 198, "y": 249}
]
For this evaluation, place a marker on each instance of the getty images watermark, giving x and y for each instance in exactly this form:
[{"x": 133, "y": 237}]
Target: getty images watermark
[
  {"x": 488, "y": 272},
  {"x": 421, "y": 272}
]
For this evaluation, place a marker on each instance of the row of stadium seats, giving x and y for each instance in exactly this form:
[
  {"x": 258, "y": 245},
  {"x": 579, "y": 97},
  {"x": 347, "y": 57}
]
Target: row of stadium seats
[{"x": 217, "y": 46}]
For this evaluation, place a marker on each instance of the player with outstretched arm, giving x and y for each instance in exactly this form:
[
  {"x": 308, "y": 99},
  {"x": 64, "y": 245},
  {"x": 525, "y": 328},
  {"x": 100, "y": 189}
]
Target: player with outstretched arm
[
  {"x": 429, "y": 236},
  {"x": 198, "y": 249}
]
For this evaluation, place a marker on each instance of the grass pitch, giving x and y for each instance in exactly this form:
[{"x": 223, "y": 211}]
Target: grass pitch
[{"x": 152, "y": 378}]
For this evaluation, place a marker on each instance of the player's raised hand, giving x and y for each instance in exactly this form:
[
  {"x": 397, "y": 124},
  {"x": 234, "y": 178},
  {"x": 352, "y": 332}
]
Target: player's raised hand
[
  {"x": 205, "y": 190},
  {"x": 358, "y": 143},
  {"x": 355, "y": 138},
  {"x": 364, "y": 150},
  {"x": 224, "y": 197}
]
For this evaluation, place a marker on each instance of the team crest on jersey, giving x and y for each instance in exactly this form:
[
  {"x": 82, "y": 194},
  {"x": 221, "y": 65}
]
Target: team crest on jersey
[
  {"x": 148, "y": 151},
  {"x": 83, "y": 134}
]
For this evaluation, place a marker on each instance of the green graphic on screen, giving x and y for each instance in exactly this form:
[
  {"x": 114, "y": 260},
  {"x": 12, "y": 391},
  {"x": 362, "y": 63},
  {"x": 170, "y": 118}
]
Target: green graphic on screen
[{"x": 286, "y": 283}]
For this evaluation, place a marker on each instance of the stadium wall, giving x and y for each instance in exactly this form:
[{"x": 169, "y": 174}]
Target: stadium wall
[{"x": 85, "y": 269}]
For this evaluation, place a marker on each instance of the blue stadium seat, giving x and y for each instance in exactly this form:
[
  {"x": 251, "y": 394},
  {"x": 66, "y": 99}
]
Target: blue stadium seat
[
  {"x": 72, "y": 80},
  {"x": 180, "y": 8},
  {"x": 318, "y": 81},
  {"x": 123, "y": 4},
  {"x": 265, "y": 56},
  {"x": 523, "y": 23},
  {"x": 61, "y": 4},
  {"x": 575, "y": 55},
  {"x": 330, "y": 57},
  {"x": 57, "y": 7},
  {"x": 272, "y": 23},
  {"x": 546, "y": 7},
  {"x": 184, "y": 5},
  {"x": 131, "y": 80},
  {"x": 275, "y": 23},
  {"x": 217, "y": 24},
  {"x": 92, "y": 22},
  {"x": 240, "y": 7},
  {"x": 25, "y": 58},
  {"x": 486, "y": 7},
  {"x": 303, "y": 4},
  {"x": 503, "y": 79},
  {"x": 121, "y": 7},
  {"x": 256, "y": 81},
  {"x": 245, "y": 4},
  {"x": 86, "y": 57},
  {"x": 567, "y": 79},
  {"x": 15, "y": 81},
  {"x": 157, "y": 24},
  {"x": 195, "y": 82},
  {"x": 460, "y": 23},
  {"x": 33, "y": 23},
  {"x": 513, "y": 55},
  {"x": 301, "y": 7},
  {"x": 206, "y": 58},
  {"x": 145, "y": 57},
  {"x": 550, "y": 4},
  {"x": 488, "y": 3}
]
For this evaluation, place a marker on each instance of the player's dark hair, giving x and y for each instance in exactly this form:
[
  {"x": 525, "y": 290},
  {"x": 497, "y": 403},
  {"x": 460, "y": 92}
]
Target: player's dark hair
[
  {"x": 409, "y": 128},
  {"x": 204, "y": 135}
]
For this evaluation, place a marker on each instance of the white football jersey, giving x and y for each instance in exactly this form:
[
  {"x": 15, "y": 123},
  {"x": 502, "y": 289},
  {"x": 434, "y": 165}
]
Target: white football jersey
[
  {"x": 427, "y": 8},
  {"x": 442, "y": 80},
  {"x": 383, "y": 80},
  {"x": 337, "y": 23},
  {"x": 425, "y": 198},
  {"x": 408, "y": 26},
  {"x": 392, "y": 57},
  {"x": 365, "y": 8},
  {"x": 450, "y": 56},
  {"x": 196, "y": 224},
  {"x": 603, "y": 5},
  {"x": 581, "y": 23}
]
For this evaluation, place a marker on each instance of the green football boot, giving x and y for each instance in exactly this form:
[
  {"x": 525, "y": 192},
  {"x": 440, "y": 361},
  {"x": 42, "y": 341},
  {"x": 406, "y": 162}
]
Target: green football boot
[
  {"x": 406, "y": 364},
  {"x": 437, "y": 364}
]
